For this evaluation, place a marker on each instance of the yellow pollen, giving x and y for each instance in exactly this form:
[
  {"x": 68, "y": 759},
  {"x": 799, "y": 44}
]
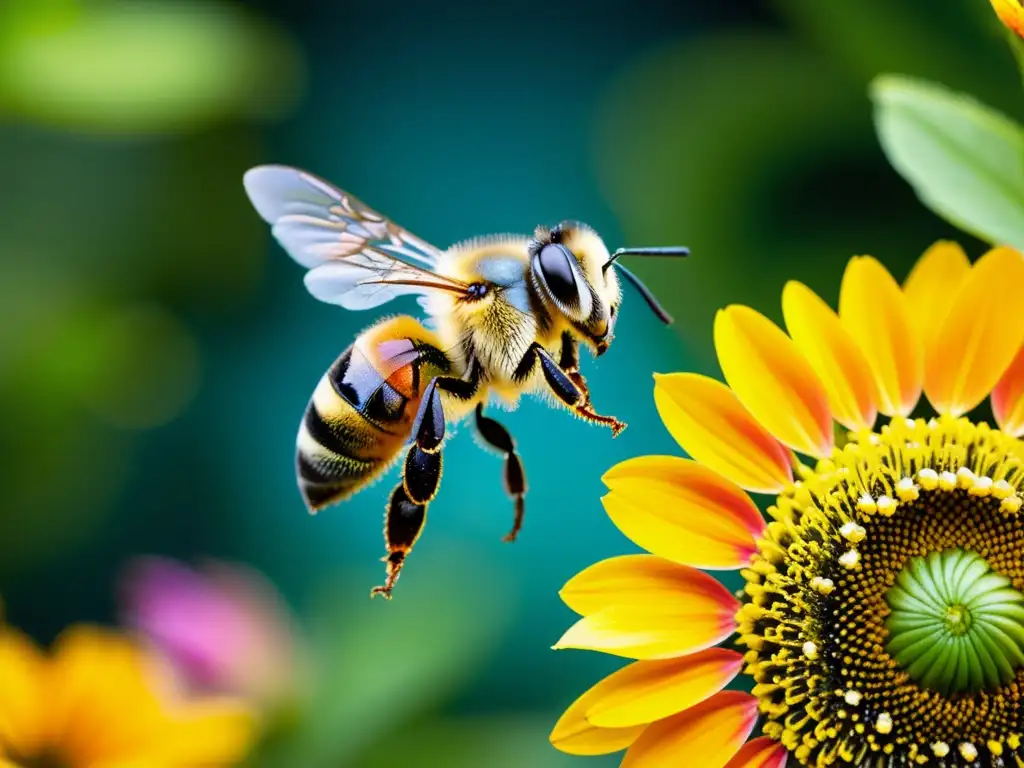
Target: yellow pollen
[
  {"x": 906, "y": 489},
  {"x": 940, "y": 749},
  {"x": 852, "y": 697},
  {"x": 886, "y": 505},
  {"x": 1001, "y": 489},
  {"x": 1010, "y": 504},
  {"x": 964, "y": 477},
  {"x": 849, "y": 559},
  {"x": 968, "y": 751},
  {"x": 883, "y": 724},
  {"x": 928, "y": 478},
  {"x": 947, "y": 481},
  {"x": 866, "y": 504},
  {"x": 982, "y": 486},
  {"x": 822, "y": 586},
  {"x": 810, "y": 650},
  {"x": 852, "y": 532}
]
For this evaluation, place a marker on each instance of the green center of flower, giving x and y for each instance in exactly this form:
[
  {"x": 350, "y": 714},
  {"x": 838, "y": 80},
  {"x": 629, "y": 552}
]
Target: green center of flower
[{"x": 956, "y": 625}]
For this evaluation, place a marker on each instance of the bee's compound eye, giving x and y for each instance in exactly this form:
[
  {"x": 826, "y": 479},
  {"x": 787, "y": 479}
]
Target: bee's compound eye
[{"x": 556, "y": 270}]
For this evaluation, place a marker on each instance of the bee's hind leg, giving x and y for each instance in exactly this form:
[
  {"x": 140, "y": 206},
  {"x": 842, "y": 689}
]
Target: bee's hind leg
[
  {"x": 402, "y": 526},
  {"x": 494, "y": 434},
  {"x": 421, "y": 476}
]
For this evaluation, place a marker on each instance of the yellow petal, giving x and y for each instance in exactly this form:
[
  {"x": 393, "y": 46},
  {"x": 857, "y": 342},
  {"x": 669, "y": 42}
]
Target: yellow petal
[
  {"x": 636, "y": 580},
  {"x": 712, "y": 732},
  {"x": 931, "y": 286},
  {"x": 643, "y": 607},
  {"x": 833, "y": 354},
  {"x": 682, "y": 511},
  {"x": 101, "y": 704},
  {"x": 23, "y": 694},
  {"x": 646, "y": 691},
  {"x": 761, "y": 752},
  {"x": 575, "y": 735},
  {"x": 873, "y": 310},
  {"x": 1011, "y": 14},
  {"x": 209, "y": 732},
  {"x": 773, "y": 380},
  {"x": 710, "y": 423},
  {"x": 1008, "y": 397},
  {"x": 980, "y": 335}
]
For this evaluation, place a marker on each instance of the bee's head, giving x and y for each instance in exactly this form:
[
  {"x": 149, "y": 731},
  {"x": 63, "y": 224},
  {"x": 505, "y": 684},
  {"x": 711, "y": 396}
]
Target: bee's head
[{"x": 571, "y": 268}]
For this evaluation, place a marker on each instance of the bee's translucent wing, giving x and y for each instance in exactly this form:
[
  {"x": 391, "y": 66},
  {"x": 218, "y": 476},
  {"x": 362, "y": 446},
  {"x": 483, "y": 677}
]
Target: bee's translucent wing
[
  {"x": 371, "y": 278},
  {"x": 356, "y": 257}
]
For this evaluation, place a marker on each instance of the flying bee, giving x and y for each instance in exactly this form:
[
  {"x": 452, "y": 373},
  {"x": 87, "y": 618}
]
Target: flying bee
[{"x": 507, "y": 314}]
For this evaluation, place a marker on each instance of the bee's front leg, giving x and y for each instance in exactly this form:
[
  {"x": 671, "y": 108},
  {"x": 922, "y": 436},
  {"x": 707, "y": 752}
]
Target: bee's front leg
[
  {"x": 565, "y": 387},
  {"x": 569, "y": 362}
]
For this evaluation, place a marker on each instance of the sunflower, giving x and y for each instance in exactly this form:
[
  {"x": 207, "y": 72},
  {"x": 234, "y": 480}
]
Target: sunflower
[
  {"x": 93, "y": 703},
  {"x": 881, "y": 622}
]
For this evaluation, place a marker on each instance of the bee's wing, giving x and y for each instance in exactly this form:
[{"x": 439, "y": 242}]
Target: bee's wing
[{"x": 356, "y": 257}]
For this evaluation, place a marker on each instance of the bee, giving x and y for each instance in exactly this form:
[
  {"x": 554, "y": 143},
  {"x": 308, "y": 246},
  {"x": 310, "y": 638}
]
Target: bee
[{"x": 506, "y": 315}]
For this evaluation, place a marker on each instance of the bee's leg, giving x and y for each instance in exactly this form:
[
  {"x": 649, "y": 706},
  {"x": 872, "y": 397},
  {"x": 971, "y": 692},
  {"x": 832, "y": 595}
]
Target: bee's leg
[
  {"x": 569, "y": 361},
  {"x": 515, "y": 478},
  {"x": 421, "y": 476},
  {"x": 402, "y": 526},
  {"x": 579, "y": 398}
]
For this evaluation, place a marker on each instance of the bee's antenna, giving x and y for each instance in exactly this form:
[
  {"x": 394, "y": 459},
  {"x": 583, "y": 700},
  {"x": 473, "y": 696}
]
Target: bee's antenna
[
  {"x": 656, "y": 308},
  {"x": 672, "y": 250}
]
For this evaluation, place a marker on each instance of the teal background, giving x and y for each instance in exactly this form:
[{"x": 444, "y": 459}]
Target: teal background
[{"x": 157, "y": 349}]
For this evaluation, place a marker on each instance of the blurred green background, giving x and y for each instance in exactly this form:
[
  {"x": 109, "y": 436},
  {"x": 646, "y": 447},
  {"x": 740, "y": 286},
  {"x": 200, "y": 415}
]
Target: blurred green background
[{"x": 157, "y": 349}]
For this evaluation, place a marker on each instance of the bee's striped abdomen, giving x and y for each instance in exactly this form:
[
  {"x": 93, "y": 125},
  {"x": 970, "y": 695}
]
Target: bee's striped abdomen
[{"x": 360, "y": 415}]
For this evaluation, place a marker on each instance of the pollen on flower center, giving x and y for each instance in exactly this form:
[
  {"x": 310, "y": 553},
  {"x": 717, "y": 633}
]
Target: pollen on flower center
[
  {"x": 957, "y": 620},
  {"x": 919, "y": 639}
]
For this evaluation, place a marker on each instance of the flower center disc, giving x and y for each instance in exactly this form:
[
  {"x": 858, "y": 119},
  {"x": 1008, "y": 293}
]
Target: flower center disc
[
  {"x": 884, "y": 612},
  {"x": 955, "y": 625}
]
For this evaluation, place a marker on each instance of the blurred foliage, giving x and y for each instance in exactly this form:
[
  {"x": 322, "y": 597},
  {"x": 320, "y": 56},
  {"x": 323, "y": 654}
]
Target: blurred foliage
[
  {"x": 139, "y": 67},
  {"x": 757, "y": 149},
  {"x": 965, "y": 161},
  {"x": 376, "y": 671}
]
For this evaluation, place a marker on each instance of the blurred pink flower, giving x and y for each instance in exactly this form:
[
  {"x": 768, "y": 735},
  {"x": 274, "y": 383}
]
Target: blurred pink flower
[{"x": 223, "y": 628}]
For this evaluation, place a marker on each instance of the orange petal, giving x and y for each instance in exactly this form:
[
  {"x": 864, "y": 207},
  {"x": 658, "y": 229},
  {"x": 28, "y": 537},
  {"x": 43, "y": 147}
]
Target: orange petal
[
  {"x": 646, "y": 691},
  {"x": 761, "y": 752},
  {"x": 833, "y": 354},
  {"x": 712, "y": 731},
  {"x": 931, "y": 286},
  {"x": 682, "y": 511},
  {"x": 773, "y": 380},
  {"x": 643, "y": 607},
  {"x": 1008, "y": 397},
  {"x": 980, "y": 334},
  {"x": 574, "y": 734},
  {"x": 873, "y": 310},
  {"x": 710, "y": 423}
]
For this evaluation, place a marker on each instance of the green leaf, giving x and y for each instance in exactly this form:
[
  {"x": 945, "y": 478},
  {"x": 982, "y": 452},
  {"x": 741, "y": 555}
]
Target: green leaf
[
  {"x": 141, "y": 67},
  {"x": 964, "y": 160}
]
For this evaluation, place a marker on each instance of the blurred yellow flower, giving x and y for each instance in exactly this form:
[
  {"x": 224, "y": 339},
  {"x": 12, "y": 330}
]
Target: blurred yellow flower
[
  {"x": 1011, "y": 13},
  {"x": 881, "y": 620},
  {"x": 95, "y": 703}
]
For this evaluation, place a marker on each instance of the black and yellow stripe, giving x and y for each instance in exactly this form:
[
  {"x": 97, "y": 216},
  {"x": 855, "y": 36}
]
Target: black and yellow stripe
[{"x": 360, "y": 415}]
